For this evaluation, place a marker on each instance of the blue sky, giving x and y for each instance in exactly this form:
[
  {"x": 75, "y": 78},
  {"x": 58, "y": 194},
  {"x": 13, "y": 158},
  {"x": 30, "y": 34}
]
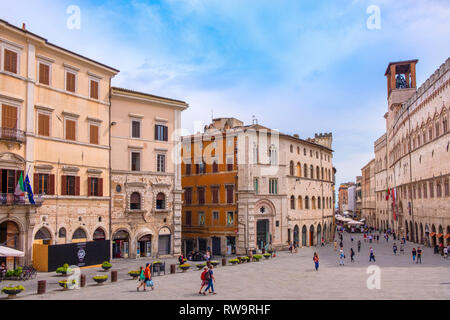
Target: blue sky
[{"x": 298, "y": 66}]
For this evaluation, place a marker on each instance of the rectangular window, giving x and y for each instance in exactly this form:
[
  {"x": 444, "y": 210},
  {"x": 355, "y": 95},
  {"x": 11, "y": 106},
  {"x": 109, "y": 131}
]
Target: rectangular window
[
  {"x": 230, "y": 194},
  {"x": 161, "y": 163},
  {"x": 201, "y": 195},
  {"x": 230, "y": 164},
  {"x": 93, "y": 90},
  {"x": 230, "y": 218},
  {"x": 44, "y": 73},
  {"x": 431, "y": 190},
  {"x": 70, "y": 129},
  {"x": 256, "y": 185},
  {"x": 71, "y": 79},
  {"x": 188, "y": 196},
  {"x": 135, "y": 161},
  {"x": 43, "y": 183},
  {"x": 135, "y": 128},
  {"x": 188, "y": 169},
  {"x": 425, "y": 191},
  {"x": 273, "y": 186},
  {"x": 9, "y": 117},
  {"x": 188, "y": 215},
  {"x": 70, "y": 185},
  {"x": 43, "y": 124},
  {"x": 93, "y": 186},
  {"x": 201, "y": 218},
  {"x": 215, "y": 217},
  {"x": 215, "y": 194},
  {"x": 10, "y": 61},
  {"x": 93, "y": 134},
  {"x": 161, "y": 133}
]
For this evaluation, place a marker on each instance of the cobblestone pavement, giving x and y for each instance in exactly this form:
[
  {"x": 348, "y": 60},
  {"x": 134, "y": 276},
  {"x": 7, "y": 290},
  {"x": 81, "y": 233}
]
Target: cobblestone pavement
[{"x": 288, "y": 276}]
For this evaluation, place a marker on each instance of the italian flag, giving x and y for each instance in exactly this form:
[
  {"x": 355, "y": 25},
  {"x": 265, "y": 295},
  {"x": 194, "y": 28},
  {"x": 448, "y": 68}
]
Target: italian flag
[
  {"x": 20, "y": 189},
  {"x": 387, "y": 194}
]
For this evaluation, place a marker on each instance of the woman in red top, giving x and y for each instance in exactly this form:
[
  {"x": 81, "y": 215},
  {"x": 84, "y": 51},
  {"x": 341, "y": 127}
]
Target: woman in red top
[{"x": 316, "y": 261}]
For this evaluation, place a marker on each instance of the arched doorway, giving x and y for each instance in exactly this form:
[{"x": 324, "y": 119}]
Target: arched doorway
[
  {"x": 427, "y": 234},
  {"x": 43, "y": 236},
  {"x": 164, "y": 241},
  {"x": 421, "y": 233},
  {"x": 433, "y": 235},
  {"x": 411, "y": 231},
  {"x": 311, "y": 235},
  {"x": 319, "y": 234},
  {"x": 262, "y": 233},
  {"x": 296, "y": 234},
  {"x": 416, "y": 233},
  {"x": 145, "y": 245},
  {"x": 121, "y": 240},
  {"x": 304, "y": 236},
  {"x": 99, "y": 234},
  {"x": 79, "y": 235},
  {"x": 440, "y": 236},
  {"x": 407, "y": 230},
  {"x": 10, "y": 237}
]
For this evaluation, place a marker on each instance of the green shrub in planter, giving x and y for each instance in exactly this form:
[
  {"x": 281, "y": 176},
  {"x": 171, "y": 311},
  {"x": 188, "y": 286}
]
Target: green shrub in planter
[
  {"x": 100, "y": 279},
  {"x": 9, "y": 273},
  {"x": 200, "y": 265},
  {"x": 64, "y": 269},
  {"x": 66, "y": 283},
  {"x": 233, "y": 261},
  {"x": 13, "y": 291},
  {"x": 134, "y": 273},
  {"x": 257, "y": 257},
  {"x": 106, "y": 265},
  {"x": 184, "y": 266},
  {"x": 214, "y": 263},
  {"x": 267, "y": 255},
  {"x": 245, "y": 259}
]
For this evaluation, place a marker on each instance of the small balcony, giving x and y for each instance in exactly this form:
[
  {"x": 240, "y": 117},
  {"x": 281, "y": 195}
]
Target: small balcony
[
  {"x": 12, "y": 135},
  {"x": 10, "y": 199}
]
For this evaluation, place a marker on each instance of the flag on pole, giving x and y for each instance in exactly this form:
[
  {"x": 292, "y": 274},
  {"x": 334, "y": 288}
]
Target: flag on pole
[
  {"x": 29, "y": 190},
  {"x": 387, "y": 194},
  {"x": 20, "y": 189},
  {"x": 393, "y": 203}
]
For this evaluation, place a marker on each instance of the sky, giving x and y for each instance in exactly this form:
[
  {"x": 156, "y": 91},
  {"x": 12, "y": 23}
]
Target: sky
[{"x": 298, "y": 66}]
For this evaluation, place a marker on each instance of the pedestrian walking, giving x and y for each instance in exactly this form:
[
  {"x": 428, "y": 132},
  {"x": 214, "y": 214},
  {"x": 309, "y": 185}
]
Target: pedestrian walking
[
  {"x": 316, "y": 261},
  {"x": 445, "y": 253},
  {"x": 365, "y": 237},
  {"x": 335, "y": 245},
  {"x": 341, "y": 257},
  {"x": 211, "y": 280},
  {"x": 359, "y": 245},
  {"x": 141, "y": 279},
  {"x": 290, "y": 247},
  {"x": 419, "y": 255},
  {"x": 378, "y": 238},
  {"x": 323, "y": 242},
  {"x": 414, "y": 253},
  {"x": 352, "y": 254},
  {"x": 204, "y": 277},
  {"x": 394, "y": 248},
  {"x": 295, "y": 246},
  {"x": 371, "y": 255},
  {"x": 351, "y": 238}
]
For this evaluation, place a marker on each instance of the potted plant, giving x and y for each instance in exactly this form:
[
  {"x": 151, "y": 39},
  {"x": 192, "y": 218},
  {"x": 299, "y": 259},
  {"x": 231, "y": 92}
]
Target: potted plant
[
  {"x": 245, "y": 259},
  {"x": 184, "y": 267},
  {"x": 233, "y": 261},
  {"x": 215, "y": 263},
  {"x": 200, "y": 266},
  {"x": 100, "y": 279},
  {"x": 134, "y": 274},
  {"x": 257, "y": 257},
  {"x": 65, "y": 284},
  {"x": 64, "y": 270},
  {"x": 12, "y": 291},
  {"x": 106, "y": 265},
  {"x": 267, "y": 255}
]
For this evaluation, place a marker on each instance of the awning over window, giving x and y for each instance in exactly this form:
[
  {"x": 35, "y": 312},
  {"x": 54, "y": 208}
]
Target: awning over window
[
  {"x": 432, "y": 234},
  {"x": 447, "y": 236},
  {"x": 439, "y": 235}
]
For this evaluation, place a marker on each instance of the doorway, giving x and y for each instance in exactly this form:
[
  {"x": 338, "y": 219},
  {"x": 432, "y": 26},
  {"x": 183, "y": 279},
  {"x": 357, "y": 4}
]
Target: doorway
[
  {"x": 262, "y": 233},
  {"x": 216, "y": 250}
]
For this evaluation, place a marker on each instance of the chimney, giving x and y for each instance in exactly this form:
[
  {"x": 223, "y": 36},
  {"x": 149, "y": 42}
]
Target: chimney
[{"x": 24, "y": 26}]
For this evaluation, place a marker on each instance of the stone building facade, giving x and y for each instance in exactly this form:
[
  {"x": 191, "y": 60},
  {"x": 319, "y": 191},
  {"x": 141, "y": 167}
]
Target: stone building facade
[
  {"x": 145, "y": 178},
  {"x": 55, "y": 128},
  {"x": 412, "y": 158},
  {"x": 368, "y": 191}
]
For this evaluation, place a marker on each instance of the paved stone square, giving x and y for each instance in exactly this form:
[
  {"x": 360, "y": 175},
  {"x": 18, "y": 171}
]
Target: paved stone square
[{"x": 288, "y": 276}]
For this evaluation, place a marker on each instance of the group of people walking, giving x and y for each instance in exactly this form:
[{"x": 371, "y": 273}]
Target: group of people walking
[{"x": 145, "y": 278}]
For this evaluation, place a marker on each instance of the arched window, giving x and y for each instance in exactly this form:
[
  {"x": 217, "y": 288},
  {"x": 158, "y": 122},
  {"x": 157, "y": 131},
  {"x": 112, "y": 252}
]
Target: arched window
[
  {"x": 306, "y": 202},
  {"x": 161, "y": 201},
  {"x": 317, "y": 173},
  {"x": 62, "y": 233},
  {"x": 135, "y": 201},
  {"x": 79, "y": 234},
  {"x": 322, "y": 172},
  {"x": 300, "y": 202},
  {"x": 43, "y": 234},
  {"x": 311, "y": 169},
  {"x": 318, "y": 202},
  {"x": 313, "y": 203},
  {"x": 292, "y": 202},
  {"x": 273, "y": 155},
  {"x": 291, "y": 168},
  {"x": 323, "y": 203},
  {"x": 99, "y": 234},
  {"x": 305, "y": 170},
  {"x": 292, "y": 148},
  {"x": 299, "y": 169},
  {"x": 298, "y": 150}
]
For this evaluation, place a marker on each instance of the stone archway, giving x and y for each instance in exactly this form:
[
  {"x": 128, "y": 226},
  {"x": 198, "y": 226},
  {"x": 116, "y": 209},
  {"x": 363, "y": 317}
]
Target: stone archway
[
  {"x": 304, "y": 236},
  {"x": 296, "y": 235}
]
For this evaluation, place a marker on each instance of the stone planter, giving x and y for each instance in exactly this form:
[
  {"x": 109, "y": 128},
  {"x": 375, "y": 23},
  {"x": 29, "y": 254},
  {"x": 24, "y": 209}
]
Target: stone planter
[
  {"x": 12, "y": 294},
  {"x": 100, "y": 280}
]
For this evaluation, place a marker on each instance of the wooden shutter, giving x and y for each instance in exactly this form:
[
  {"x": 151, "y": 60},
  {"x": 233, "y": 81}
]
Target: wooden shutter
[
  {"x": 44, "y": 74},
  {"x": 165, "y": 138},
  {"x": 44, "y": 124},
  {"x": 9, "y": 117},
  {"x": 77, "y": 186},
  {"x": 51, "y": 184},
  {"x": 10, "y": 61},
  {"x": 93, "y": 135},
  {"x": 70, "y": 82},
  {"x": 35, "y": 183},
  {"x": 89, "y": 186},
  {"x": 156, "y": 132},
  {"x": 229, "y": 194},
  {"x": 100, "y": 187},
  {"x": 94, "y": 89},
  {"x": 63, "y": 185},
  {"x": 70, "y": 129}
]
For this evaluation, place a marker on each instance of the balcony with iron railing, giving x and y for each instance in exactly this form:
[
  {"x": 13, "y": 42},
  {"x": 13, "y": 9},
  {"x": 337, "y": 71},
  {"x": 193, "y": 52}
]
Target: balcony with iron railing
[
  {"x": 12, "y": 135},
  {"x": 10, "y": 199}
]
